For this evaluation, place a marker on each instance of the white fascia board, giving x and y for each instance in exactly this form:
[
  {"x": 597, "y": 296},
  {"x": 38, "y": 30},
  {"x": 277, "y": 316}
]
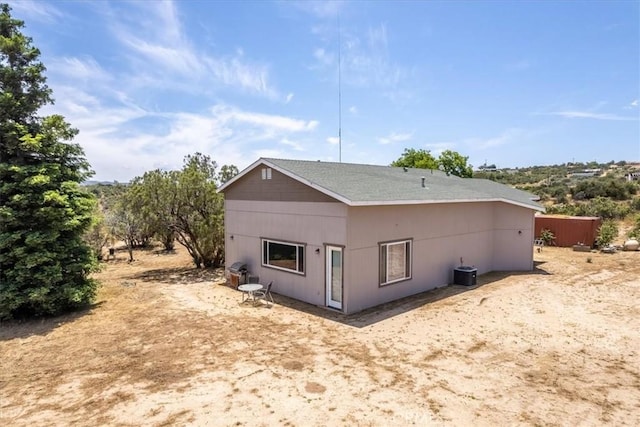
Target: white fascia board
[{"x": 435, "y": 202}]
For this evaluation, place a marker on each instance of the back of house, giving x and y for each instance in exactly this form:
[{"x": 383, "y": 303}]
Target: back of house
[{"x": 349, "y": 236}]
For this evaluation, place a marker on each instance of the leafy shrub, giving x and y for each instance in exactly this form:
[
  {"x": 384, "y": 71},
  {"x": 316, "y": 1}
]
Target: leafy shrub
[
  {"x": 547, "y": 236},
  {"x": 634, "y": 233},
  {"x": 563, "y": 209},
  {"x": 607, "y": 233},
  {"x": 604, "y": 187},
  {"x": 559, "y": 192},
  {"x": 602, "y": 207}
]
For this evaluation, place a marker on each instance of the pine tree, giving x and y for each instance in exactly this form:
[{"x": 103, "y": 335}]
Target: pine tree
[{"x": 44, "y": 263}]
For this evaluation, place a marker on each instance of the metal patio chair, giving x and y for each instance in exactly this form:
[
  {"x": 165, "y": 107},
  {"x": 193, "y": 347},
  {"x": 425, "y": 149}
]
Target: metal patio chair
[{"x": 264, "y": 294}]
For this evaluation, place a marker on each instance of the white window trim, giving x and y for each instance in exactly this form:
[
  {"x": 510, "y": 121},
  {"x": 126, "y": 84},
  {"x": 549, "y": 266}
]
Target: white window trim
[
  {"x": 280, "y": 242},
  {"x": 408, "y": 259}
]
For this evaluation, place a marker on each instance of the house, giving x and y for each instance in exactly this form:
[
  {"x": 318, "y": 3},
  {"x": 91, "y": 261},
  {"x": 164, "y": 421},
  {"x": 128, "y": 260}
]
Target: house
[
  {"x": 633, "y": 176},
  {"x": 351, "y": 236}
]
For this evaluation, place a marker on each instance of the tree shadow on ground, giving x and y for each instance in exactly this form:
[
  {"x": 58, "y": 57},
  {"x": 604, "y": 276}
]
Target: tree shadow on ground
[
  {"x": 391, "y": 309},
  {"x": 18, "y": 329},
  {"x": 179, "y": 275}
]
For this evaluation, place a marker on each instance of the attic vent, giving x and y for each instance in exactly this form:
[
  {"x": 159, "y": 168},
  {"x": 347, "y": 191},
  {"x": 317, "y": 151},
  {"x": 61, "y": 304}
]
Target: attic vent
[{"x": 266, "y": 173}]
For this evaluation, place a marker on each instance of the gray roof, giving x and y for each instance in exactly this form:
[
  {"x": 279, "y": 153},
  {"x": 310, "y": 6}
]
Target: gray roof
[{"x": 357, "y": 185}]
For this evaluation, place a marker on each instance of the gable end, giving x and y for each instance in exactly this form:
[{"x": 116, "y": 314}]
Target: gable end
[{"x": 264, "y": 183}]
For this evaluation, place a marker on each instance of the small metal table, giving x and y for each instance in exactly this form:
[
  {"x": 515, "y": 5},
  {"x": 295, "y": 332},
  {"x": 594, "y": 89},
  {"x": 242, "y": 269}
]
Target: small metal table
[{"x": 249, "y": 290}]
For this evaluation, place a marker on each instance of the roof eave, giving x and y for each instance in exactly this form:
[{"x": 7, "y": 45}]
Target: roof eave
[{"x": 433, "y": 202}]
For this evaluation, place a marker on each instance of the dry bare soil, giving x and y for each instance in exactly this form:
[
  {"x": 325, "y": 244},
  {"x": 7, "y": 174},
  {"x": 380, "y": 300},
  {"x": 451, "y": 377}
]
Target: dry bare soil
[{"x": 169, "y": 345}]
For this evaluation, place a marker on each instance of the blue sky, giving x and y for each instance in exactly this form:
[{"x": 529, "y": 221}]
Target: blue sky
[{"x": 515, "y": 83}]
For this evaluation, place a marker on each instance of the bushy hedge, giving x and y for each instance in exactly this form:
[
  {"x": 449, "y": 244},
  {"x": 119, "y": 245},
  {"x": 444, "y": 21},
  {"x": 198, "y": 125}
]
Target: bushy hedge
[
  {"x": 635, "y": 231},
  {"x": 607, "y": 233},
  {"x": 600, "y": 206},
  {"x": 616, "y": 189}
]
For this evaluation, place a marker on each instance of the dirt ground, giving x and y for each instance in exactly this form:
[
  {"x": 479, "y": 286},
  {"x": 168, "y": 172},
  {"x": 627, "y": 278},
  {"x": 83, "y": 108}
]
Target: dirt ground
[{"x": 169, "y": 345}]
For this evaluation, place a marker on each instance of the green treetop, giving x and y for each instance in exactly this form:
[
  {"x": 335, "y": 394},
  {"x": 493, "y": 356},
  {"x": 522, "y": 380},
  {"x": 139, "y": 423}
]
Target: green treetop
[{"x": 449, "y": 161}]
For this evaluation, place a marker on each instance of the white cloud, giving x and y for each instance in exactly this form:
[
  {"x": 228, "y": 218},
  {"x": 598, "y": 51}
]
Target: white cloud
[
  {"x": 634, "y": 103},
  {"x": 269, "y": 153},
  {"x": 234, "y": 72},
  {"x": 378, "y": 37},
  {"x": 71, "y": 68},
  {"x": 436, "y": 148},
  {"x": 122, "y": 140},
  {"x": 293, "y": 144},
  {"x": 394, "y": 137},
  {"x": 333, "y": 140},
  {"x": 508, "y": 136},
  {"x": 366, "y": 62},
  {"x": 35, "y": 10},
  {"x": 265, "y": 120},
  {"x": 353, "y": 109},
  {"x": 158, "y": 49},
  {"x": 178, "y": 59},
  {"x": 319, "y": 8},
  {"x": 590, "y": 115},
  {"x": 323, "y": 57},
  {"x": 127, "y": 129}
]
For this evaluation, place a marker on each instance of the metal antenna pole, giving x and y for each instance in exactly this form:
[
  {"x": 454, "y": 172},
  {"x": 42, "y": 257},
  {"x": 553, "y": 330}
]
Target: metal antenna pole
[{"x": 339, "y": 93}]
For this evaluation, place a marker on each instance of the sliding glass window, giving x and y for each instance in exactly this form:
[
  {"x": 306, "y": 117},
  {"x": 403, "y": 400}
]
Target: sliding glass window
[{"x": 283, "y": 255}]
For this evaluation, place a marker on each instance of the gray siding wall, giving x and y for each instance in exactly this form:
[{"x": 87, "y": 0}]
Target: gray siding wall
[
  {"x": 489, "y": 236},
  {"x": 484, "y": 235},
  {"x": 514, "y": 230},
  {"x": 313, "y": 224}
]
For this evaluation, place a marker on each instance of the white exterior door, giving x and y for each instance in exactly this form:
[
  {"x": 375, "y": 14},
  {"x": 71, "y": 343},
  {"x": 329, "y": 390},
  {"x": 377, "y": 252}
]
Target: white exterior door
[{"x": 334, "y": 275}]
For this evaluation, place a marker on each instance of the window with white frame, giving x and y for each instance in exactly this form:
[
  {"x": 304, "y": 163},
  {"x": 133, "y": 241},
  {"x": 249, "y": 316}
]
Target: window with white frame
[
  {"x": 395, "y": 261},
  {"x": 283, "y": 255}
]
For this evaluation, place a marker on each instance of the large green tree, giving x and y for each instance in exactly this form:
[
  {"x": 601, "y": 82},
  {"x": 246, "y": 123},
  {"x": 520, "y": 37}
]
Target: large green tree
[
  {"x": 449, "y": 161},
  {"x": 454, "y": 163},
  {"x": 198, "y": 218},
  {"x": 183, "y": 205},
  {"x": 44, "y": 263},
  {"x": 125, "y": 221},
  {"x": 157, "y": 192},
  {"x": 412, "y": 158}
]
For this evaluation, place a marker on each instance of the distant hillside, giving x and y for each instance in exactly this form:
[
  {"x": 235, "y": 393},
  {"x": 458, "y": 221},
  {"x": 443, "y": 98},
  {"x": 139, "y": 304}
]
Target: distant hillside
[
  {"x": 608, "y": 190},
  {"x": 538, "y": 175}
]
